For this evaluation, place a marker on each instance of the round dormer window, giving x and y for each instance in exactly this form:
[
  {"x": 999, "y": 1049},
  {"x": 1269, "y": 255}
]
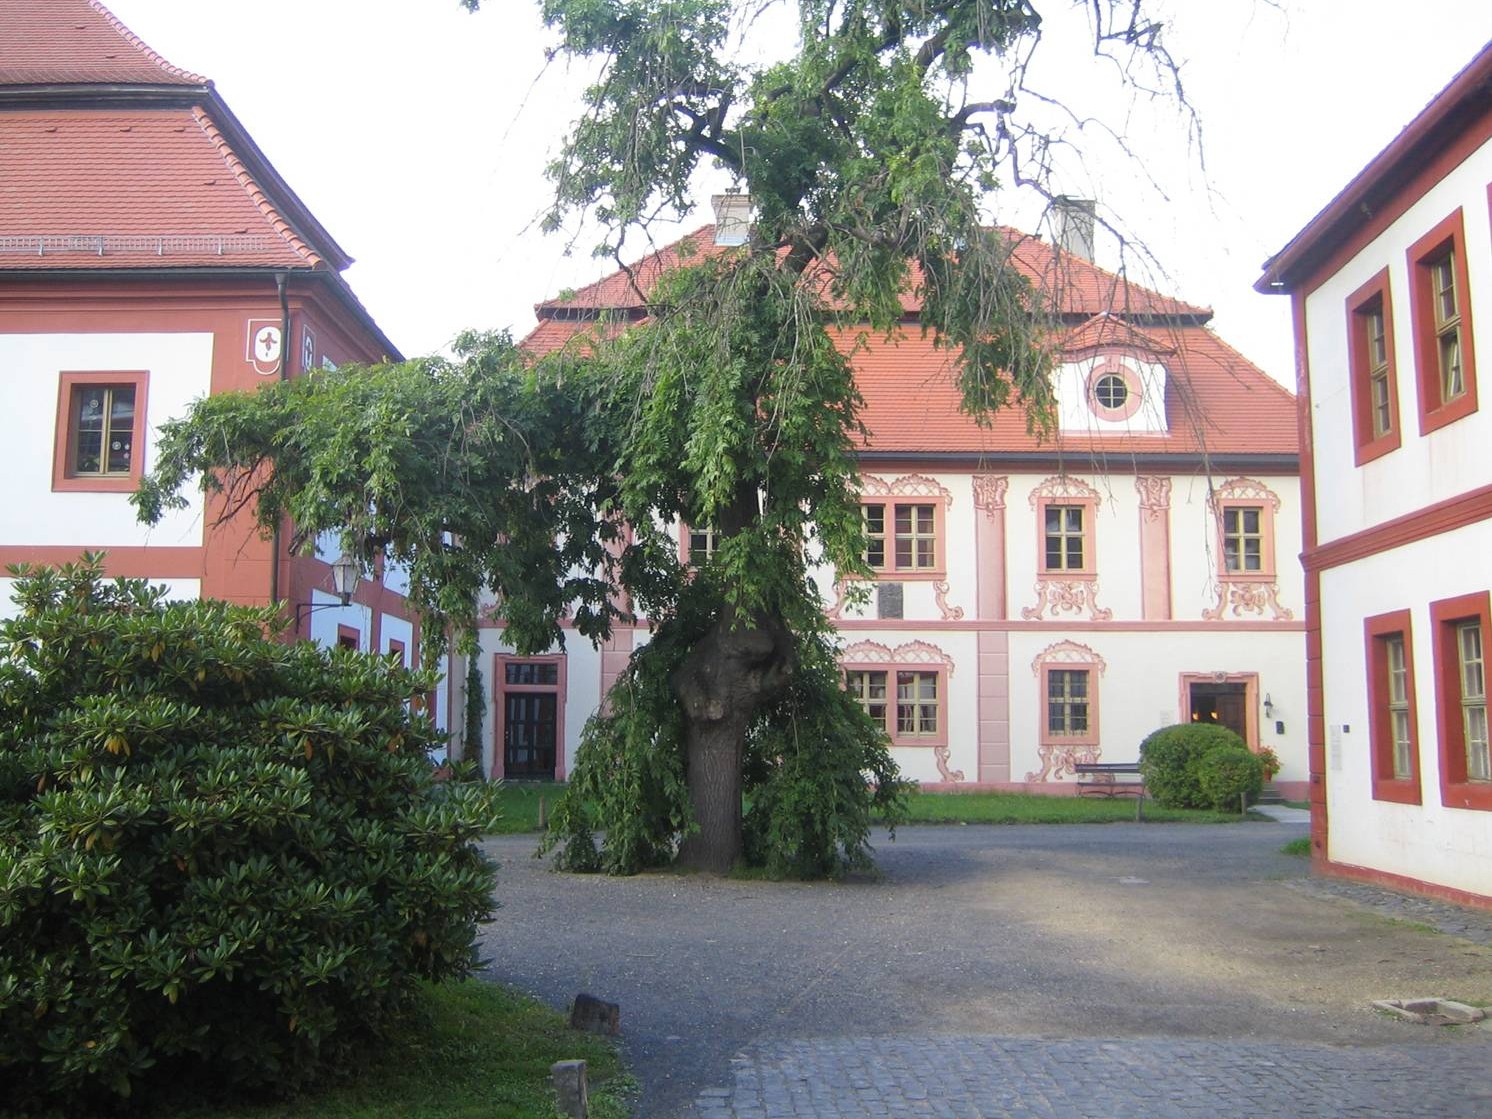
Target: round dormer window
[{"x": 1113, "y": 390}]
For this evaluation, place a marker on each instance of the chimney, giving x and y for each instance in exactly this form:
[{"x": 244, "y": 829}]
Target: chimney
[
  {"x": 732, "y": 218},
  {"x": 1075, "y": 225}
]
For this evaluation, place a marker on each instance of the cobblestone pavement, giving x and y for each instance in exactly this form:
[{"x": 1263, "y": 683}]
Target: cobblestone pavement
[
  {"x": 1128, "y": 969},
  {"x": 1034, "y": 1078},
  {"x": 1474, "y": 925}
]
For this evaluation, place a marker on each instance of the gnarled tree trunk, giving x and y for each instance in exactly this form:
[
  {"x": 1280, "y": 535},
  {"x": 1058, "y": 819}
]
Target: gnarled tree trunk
[{"x": 723, "y": 683}]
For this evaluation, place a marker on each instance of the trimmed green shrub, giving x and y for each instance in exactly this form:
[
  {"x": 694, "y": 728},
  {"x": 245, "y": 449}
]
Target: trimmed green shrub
[
  {"x": 222, "y": 857},
  {"x": 1226, "y": 773},
  {"x": 1169, "y": 758}
]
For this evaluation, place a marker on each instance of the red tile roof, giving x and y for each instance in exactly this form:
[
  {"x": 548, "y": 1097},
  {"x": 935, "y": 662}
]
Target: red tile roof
[
  {"x": 77, "y": 42},
  {"x": 1075, "y": 286},
  {"x": 1217, "y": 401},
  {"x": 133, "y": 188}
]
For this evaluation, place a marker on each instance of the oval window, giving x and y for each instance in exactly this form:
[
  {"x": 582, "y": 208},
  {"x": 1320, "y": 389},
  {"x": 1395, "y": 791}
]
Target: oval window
[{"x": 1111, "y": 392}]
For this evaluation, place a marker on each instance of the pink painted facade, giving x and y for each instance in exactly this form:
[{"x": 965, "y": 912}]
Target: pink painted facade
[{"x": 1037, "y": 605}]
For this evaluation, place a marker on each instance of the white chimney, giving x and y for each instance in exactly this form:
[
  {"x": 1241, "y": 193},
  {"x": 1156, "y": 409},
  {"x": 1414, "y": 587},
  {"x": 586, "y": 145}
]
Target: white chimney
[
  {"x": 732, "y": 218},
  {"x": 1075, "y": 220}
]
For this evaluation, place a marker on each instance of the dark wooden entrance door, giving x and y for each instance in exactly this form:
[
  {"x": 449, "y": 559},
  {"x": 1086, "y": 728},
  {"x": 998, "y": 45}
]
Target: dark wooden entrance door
[
  {"x": 1222, "y": 704},
  {"x": 529, "y": 734}
]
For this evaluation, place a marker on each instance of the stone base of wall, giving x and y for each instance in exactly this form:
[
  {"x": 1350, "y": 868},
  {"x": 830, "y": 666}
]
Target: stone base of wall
[{"x": 1401, "y": 882}]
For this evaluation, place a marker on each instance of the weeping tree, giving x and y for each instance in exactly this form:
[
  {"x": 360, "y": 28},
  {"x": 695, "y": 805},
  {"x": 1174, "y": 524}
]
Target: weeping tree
[{"x": 732, "y": 405}]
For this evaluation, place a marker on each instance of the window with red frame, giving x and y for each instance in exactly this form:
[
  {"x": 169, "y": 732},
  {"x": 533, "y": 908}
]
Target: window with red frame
[
  {"x": 1392, "y": 715},
  {"x": 100, "y": 431},
  {"x": 697, "y": 546},
  {"x": 1462, "y": 626},
  {"x": 1444, "y": 357},
  {"x": 1374, "y": 381},
  {"x": 1471, "y": 673},
  {"x": 1068, "y": 703},
  {"x": 914, "y": 715},
  {"x": 1243, "y": 539},
  {"x": 1065, "y": 544},
  {"x": 911, "y": 544}
]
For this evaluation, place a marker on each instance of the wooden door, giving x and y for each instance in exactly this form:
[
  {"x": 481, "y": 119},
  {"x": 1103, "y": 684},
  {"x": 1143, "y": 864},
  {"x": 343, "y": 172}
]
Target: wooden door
[{"x": 529, "y": 737}]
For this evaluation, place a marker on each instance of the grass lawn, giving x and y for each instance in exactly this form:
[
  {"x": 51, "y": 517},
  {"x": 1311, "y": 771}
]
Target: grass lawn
[
  {"x": 1031, "y": 808},
  {"x": 520, "y": 804},
  {"x": 481, "y": 1052}
]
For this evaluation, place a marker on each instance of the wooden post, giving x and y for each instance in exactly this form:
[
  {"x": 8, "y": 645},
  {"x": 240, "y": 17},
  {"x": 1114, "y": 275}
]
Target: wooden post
[{"x": 569, "y": 1088}]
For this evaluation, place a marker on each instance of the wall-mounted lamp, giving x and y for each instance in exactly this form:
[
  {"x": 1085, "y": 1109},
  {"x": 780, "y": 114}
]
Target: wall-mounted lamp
[
  {"x": 1268, "y": 706},
  {"x": 346, "y": 575}
]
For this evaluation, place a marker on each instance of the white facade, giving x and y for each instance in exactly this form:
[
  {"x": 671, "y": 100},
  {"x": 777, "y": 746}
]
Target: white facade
[
  {"x": 1398, "y": 525},
  {"x": 31, "y": 365}
]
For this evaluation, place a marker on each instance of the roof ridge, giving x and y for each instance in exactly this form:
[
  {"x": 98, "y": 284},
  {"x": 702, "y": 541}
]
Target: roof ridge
[
  {"x": 652, "y": 258},
  {"x": 256, "y": 193},
  {"x": 143, "y": 47}
]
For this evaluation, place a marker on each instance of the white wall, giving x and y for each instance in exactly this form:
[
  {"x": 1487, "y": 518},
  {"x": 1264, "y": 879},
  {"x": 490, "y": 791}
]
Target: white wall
[
  {"x": 1140, "y": 688},
  {"x": 180, "y": 368},
  {"x": 582, "y": 691},
  {"x": 1449, "y": 846},
  {"x": 177, "y": 590},
  {"x": 1424, "y": 469},
  {"x": 330, "y": 614}
]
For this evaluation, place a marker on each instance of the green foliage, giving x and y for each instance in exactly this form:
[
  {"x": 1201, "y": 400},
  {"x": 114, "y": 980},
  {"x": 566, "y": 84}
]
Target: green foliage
[
  {"x": 544, "y": 485},
  {"x": 222, "y": 858},
  {"x": 476, "y": 710},
  {"x": 468, "y": 472},
  {"x": 818, "y": 774},
  {"x": 1038, "y": 808},
  {"x": 1300, "y": 846},
  {"x": 469, "y": 1050},
  {"x": 1169, "y": 758},
  {"x": 1226, "y": 774}
]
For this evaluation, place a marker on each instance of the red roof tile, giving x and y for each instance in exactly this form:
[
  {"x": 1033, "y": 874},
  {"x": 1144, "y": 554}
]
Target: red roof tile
[
  {"x": 133, "y": 188},
  {"x": 1217, "y": 401},
  {"x": 1108, "y": 329},
  {"x": 1075, "y": 286},
  {"x": 77, "y": 42}
]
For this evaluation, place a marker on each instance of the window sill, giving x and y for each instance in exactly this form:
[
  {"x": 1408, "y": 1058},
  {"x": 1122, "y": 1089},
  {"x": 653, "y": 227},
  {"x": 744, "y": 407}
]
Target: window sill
[
  {"x": 124, "y": 484},
  {"x": 921, "y": 574},
  {"x": 1397, "y": 791},
  {"x": 1367, "y": 452},
  {"x": 1087, "y": 741},
  {"x": 1473, "y": 795},
  {"x": 922, "y": 742},
  {"x": 1436, "y": 418}
]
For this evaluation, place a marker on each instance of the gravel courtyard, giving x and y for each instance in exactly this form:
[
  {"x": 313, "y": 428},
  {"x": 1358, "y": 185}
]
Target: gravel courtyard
[{"x": 1009, "y": 971}]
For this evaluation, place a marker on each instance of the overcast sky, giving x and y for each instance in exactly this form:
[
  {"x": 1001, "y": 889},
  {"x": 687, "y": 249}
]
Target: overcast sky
[{"x": 418, "y": 135}]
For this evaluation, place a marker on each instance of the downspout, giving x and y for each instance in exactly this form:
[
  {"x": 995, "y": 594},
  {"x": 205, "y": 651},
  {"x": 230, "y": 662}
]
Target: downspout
[{"x": 274, "y": 561}]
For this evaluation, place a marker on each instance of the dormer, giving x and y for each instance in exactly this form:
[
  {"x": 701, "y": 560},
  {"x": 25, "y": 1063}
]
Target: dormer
[{"x": 1111, "y": 379}]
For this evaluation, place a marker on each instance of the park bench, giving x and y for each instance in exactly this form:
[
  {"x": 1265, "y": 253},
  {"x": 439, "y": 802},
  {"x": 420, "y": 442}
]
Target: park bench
[{"x": 1102, "y": 779}]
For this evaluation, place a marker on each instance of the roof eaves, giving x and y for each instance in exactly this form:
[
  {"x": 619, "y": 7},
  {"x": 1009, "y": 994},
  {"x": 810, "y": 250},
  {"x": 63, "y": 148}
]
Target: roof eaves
[
  {"x": 255, "y": 191},
  {"x": 288, "y": 204},
  {"x": 349, "y": 299},
  {"x": 1435, "y": 124},
  {"x": 185, "y": 77}
]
